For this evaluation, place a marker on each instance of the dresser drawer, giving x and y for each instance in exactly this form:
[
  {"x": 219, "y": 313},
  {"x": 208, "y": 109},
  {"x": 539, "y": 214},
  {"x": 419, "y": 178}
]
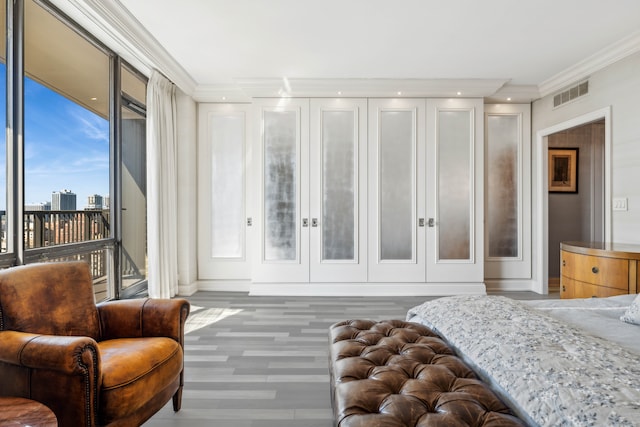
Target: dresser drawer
[
  {"x": 570, "y": 288},
  {"x": 601, "y": 271}
]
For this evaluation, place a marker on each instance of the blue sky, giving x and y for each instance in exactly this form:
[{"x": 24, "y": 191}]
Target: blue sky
[{"x": 66, "y": 147}]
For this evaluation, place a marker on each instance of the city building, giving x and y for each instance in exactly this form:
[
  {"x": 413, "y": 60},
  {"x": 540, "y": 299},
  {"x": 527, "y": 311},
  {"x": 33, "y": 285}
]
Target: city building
[
  {"x": 44, "y": 206},
  {"x": 64, "y": 200},
  {"x": 95, "y": 201}
]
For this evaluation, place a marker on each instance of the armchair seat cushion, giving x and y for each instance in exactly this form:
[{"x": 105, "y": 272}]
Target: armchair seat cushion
[{"x": 134, "y": 370}]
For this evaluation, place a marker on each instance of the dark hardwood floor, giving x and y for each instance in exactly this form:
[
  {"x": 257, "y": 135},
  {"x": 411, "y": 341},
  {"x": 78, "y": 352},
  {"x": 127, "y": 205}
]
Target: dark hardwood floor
[{"x": 263, "y": 361}]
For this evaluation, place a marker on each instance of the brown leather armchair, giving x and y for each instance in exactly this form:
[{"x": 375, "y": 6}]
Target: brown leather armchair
[{"x": 116, "y": 363}]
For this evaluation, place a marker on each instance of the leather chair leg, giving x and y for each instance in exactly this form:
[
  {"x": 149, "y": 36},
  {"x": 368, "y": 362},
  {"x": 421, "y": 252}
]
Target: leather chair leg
[{"x": 177, "y": 400}]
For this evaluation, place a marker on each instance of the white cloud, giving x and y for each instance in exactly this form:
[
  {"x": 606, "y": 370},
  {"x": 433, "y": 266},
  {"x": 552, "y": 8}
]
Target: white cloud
[{"x": 92, "y": 126}]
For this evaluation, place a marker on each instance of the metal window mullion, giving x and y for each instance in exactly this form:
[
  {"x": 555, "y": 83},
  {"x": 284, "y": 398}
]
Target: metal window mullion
[
  {"x": 115, "y": 105},
  {"x": 15, "y": 127}
]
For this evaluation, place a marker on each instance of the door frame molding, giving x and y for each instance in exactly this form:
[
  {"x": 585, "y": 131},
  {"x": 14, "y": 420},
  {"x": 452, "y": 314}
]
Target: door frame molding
[{"x": 541, "y": 285}]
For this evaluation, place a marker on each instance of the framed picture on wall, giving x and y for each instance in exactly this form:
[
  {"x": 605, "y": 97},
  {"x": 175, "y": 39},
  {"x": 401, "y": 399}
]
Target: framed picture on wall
[{"x": 563, "y": 170}]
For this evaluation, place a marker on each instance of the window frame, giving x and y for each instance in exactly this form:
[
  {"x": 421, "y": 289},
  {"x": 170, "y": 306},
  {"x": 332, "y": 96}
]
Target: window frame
[{"x": 16, "y": 253}]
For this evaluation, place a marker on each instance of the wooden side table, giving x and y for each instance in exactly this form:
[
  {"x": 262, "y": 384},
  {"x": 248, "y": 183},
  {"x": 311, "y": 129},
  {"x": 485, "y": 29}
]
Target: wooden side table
[
  {"x": 19, "y": 412},
  {"x": 596, "y": 269}
]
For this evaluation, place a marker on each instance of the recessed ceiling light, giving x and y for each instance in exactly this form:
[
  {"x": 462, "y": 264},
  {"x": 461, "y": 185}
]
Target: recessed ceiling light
[
  {"x": 94, "y": 98},
  {"x": 224, "y": 98},
  {"x": 459, "y": 93},
  {"x": 339, "y": 92},
  {"x": 508, "y": 99},
  {"x": 399, "y": 93}
]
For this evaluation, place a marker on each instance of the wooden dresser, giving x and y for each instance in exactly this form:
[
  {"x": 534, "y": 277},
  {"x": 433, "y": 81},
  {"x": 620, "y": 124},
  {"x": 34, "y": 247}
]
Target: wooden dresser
[{"x": 596, "y": 269}]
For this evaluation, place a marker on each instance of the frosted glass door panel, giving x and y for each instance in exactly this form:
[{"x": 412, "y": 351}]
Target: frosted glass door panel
[
  {"x": 339, "y": 177},
  {"x": 502, "y": 185},
  {"x": 337, "y": 202},
  {"x": 397, "y": 185},
  {"x": 508, "y": 191},
  {"x": 280, "y": 178},
  {"x": 223, "y": 193},
  {"x": 227, "y": 183},
  {"x": 455, "y": 201},
  {"x": 396, "y": 191},
  {"x": 455, "y": 184}
]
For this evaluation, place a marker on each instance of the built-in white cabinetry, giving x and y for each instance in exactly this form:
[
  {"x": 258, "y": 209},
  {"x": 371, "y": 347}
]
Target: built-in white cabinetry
[
  {"x": 508, "y": 195},
  {"x": 397, "y": 190},
  {"x": 223, "y": 198},
  {"x": 375, "y": 196},
  {"x": 338, "y": 190},
  {"x": 281, "y": 166},
  {"x": 311, "y": 176},
  {"x": 455, "y": 168}
]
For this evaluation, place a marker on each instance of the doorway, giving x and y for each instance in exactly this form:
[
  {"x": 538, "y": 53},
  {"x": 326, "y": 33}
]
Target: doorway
[
  {"x": 541, "y": 198},
  {"x": 576, "y": 190}
]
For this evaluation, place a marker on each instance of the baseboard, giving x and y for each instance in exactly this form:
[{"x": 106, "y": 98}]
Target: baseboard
[
  {"x": 358, "y": 289},
  {"x": 366, "y": 289},
  {"x": 224, "y": 285},
  {"x": 505, "y": 285}
]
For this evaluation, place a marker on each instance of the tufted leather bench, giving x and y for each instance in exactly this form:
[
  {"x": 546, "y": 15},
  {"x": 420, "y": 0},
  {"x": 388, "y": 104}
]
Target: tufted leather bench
[{"x": 396, "y": 373}]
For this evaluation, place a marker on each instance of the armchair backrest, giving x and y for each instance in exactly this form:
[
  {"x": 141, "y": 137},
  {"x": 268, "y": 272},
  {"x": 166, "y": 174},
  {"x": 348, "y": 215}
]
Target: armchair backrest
[{"x": 53, "y": 298}]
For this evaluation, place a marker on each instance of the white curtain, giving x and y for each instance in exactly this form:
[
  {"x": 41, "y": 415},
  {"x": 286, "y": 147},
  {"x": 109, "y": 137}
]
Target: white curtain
[{"x": 162, "y": 213}]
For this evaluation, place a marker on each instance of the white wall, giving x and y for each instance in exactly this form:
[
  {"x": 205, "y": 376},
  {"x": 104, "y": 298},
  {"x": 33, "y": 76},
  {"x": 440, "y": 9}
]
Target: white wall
[
  {"x": 617, "y": 87},
  {"x": 186, "y": 136}
]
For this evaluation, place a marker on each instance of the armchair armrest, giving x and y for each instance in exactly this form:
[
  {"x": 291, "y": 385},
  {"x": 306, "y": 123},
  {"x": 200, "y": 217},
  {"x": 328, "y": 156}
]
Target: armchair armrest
[
  {"x": 69, "y": 355},
  {"x": 147, "y": 317}
]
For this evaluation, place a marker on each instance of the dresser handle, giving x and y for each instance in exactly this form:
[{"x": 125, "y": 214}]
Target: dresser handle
[{"x": 594, "y": 270}]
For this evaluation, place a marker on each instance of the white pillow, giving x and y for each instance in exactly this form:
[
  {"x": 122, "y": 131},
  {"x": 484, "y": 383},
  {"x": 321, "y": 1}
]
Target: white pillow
[{"x": 632, "y": 314}]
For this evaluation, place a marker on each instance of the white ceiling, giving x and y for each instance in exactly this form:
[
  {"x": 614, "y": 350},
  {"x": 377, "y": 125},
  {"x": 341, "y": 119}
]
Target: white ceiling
[{"x": 321, "y": 46}]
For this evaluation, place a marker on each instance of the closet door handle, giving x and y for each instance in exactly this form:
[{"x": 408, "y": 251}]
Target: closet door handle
[{"x": 314, "y": 222}]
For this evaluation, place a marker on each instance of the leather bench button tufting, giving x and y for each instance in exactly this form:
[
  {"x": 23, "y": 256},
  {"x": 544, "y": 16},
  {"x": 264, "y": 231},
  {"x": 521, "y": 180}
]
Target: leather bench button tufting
[{"x": 396, "y": 373}]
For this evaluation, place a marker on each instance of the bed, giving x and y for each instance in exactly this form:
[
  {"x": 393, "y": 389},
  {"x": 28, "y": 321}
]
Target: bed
[{"x": 554, "y": 362}]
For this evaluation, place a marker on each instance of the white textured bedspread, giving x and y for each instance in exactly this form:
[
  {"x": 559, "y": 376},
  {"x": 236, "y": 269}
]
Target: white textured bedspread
[
  {"x": 597, "y": 316},
  {"x": 550, "y": 372}
]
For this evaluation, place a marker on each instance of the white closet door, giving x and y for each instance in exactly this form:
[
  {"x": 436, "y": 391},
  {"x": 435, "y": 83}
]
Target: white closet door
[
  {"x": 338, "y": 156},
  {"x": 222, "y": 212},
  {"x": 396, "y": 190},
  {"x": 507, "y": 191},
  {"x": 283, "y": 181},
  {"x": 455, "y": 191}
]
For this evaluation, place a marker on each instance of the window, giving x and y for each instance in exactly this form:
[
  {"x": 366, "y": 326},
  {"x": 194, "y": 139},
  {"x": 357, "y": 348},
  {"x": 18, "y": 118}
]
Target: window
[
  {"x": 133, "y": 172},
  {"x": 65, "y": 174},
  {"x": 66, "y": 139}
]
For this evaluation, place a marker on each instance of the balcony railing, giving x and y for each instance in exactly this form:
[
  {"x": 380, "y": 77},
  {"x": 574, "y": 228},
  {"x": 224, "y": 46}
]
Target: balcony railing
[
  {"x": 51, "y": 228},
  {"x": 75, "y": 235},
  {"x": 55, "y": 235}
]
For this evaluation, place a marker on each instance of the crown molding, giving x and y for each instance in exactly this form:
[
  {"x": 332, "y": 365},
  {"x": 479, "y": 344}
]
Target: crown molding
[
  {"x": 243, "y": 90},
  {"x": 583, "y": 69},
  {"x": 435, "y": 88},
  {"x": 116, "y": 27},
  {"x": 220, "y": 93}
]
